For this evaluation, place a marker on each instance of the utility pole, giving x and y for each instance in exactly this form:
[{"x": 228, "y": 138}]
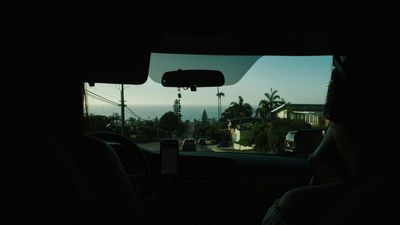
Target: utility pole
[
  {"x": 219, "y": 104},
  {"x": 218, "y": 100},
  {"x": 122, "y": 111},
  {"x": 157, "y": 127},
  {"x": 219, "y": 94}
]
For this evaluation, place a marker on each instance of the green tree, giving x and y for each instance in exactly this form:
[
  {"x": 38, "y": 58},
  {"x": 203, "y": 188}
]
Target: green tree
[
  {"x": 260, "y": 132},
  {"x": 131, "y": 121},
  {"x": 168, "y": 122},
  {"x": 177, "y": 108},
  {"x": 171, "y": 124},
  {"x": 115, "y": 118},
  {"x": 214, "y": 130},
  {"x": 238, "y": 110},
  {"x": 147, "y": 131},
  {"x": 265, "y": 107},
  {"x": 204, "y": 117},
  {"x": 97, "y": 123}
]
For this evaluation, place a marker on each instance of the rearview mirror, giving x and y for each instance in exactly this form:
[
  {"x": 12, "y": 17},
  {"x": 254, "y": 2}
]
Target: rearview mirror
[{"x": 193, "y": 78}]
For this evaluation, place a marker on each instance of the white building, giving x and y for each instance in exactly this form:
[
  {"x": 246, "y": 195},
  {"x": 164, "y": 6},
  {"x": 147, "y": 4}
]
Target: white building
[{"x": 310, "y": 113}]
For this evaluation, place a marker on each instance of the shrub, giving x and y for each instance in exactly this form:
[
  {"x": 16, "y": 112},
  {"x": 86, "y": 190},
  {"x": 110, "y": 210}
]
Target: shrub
[
  {"x": 261, "y": 141},
  {"x": 246, "y": 141},
  {"x": 278, "y": 131}
]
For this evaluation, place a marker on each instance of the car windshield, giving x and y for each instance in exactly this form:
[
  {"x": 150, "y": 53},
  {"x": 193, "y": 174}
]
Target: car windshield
[{"x": 264, "y": 98}]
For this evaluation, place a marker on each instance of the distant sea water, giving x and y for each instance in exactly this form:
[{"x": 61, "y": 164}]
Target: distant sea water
[{"x": 152, "y": 111}]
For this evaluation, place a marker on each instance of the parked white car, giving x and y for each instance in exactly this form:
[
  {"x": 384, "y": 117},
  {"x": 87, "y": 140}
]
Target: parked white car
[{"x": 189, "y": 144}]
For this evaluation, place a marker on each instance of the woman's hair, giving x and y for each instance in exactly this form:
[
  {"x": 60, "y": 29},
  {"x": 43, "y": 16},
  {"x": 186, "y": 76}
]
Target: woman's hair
[
  {"x": 337, "y": 103},
  {"x": 343, "y": 97},
  {"x": 359, "y": 97}
]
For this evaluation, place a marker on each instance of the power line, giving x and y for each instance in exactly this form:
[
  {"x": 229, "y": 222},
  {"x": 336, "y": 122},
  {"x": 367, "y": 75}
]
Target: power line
[
  {"x": 104, "y": 93},
  {"x": 133, "y": 113},
  {"x": 130, "y": 111},
  {"x": 93, "y": 96},
  {"x": 101, "y": 98}
]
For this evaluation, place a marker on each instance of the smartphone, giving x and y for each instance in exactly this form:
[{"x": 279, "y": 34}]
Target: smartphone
[{"x": 169, "y": 150}]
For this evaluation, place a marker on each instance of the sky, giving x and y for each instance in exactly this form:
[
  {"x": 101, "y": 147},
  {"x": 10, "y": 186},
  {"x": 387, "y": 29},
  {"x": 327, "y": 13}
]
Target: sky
[{"x": 298, "y": 79}]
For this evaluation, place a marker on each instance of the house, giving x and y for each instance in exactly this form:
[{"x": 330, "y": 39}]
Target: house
[
  {"x": 310, "y": 113},
  {"x": 241, "y": 128}
]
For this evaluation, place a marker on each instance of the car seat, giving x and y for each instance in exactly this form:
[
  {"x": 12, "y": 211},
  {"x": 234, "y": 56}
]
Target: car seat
[
  {"x": 105, "y": 174},
  {"x": 83, "y": 183}
]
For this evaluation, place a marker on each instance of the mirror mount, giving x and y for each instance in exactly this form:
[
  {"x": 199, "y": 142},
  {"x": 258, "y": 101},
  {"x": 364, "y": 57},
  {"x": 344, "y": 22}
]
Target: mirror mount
[{"x": 193, "y": 88}]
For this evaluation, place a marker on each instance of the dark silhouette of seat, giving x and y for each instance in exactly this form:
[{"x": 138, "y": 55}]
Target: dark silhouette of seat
[
  {"x": 106, "y": 176},
  {"x": 137, "y": 167},
  {"x": 133, "y": 159},
  {"x": 49, "y": 186}
]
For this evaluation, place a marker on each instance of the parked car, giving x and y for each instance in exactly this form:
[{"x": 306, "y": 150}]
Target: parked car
[
  {"x": 189, "y": 144},
  {"x": 210, "y": 141},
  {"x": 303, "y": 140},
  {"x": 201, "y": 141}
]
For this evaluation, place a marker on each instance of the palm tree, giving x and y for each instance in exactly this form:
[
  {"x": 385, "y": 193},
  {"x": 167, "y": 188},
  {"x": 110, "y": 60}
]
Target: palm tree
[
  {"x": 262, "y": 111},
  {"x": 219, "y": 95},
  {"x": 272, "y": 101},
  {"x": 241, "y": 109},
  {"x": 237, "y": 110}
]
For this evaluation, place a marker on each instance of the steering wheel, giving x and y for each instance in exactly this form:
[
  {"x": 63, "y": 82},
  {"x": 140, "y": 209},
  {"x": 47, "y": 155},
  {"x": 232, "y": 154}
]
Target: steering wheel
[{"x": 131, "y": 156}]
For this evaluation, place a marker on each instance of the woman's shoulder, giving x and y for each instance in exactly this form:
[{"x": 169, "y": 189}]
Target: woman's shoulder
[
  {"x": 275, "y": 216},
  {"x": 307, "y": 203}
]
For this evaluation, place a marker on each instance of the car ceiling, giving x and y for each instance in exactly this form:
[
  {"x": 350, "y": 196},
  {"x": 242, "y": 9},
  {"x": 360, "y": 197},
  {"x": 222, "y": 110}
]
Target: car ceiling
[
  {"x": 116, "y": 49},
  {"x": 237, "y": 33}
]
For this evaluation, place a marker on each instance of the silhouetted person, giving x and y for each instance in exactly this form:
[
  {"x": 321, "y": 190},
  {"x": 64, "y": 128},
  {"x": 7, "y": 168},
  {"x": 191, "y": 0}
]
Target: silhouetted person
[{"x": 349, "y": 165}]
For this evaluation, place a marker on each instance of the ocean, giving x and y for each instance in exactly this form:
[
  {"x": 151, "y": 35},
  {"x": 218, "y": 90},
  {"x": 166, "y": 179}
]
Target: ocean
[{"x": 190, "y": 112}]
